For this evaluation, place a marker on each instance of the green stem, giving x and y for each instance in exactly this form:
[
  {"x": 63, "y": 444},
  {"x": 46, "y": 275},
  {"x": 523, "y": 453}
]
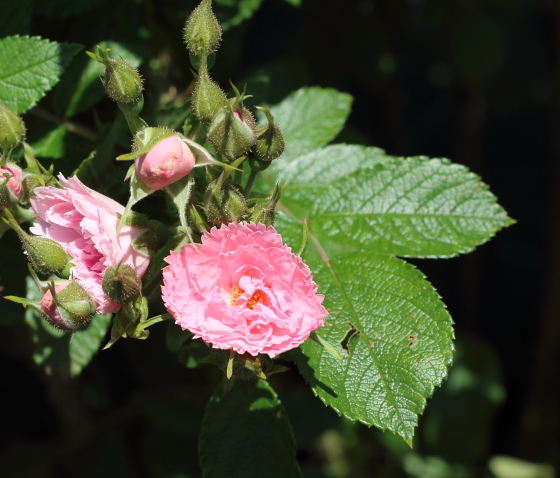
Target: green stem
[
  {"x": 131, "y": 112},
  {"x": 152, "y": 321},
  {"x": 250, "y": 183}
]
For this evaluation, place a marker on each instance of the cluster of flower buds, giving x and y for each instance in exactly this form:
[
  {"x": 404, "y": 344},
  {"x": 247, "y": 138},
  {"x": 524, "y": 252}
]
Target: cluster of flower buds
[{"x": 232, "y": 131}]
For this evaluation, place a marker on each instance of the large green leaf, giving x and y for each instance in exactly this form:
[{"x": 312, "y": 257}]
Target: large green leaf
[
  {"x": 396, "y": 336},
  {"x": 308, "y": 177},
  {"x": 310, "y": 118},
  {"x": 57, "y": 352},
  {"x": 359, "y": 198},
  {"x": 29, "y": 67},
  {"x": 246, "y": 434},
  {"x": 412, "y": 207},
  {"x": 80, "y": 86}
]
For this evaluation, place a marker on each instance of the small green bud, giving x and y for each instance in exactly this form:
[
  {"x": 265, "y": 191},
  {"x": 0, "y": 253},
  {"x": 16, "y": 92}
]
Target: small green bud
[
  {"x": 207, "y": 99},
  {"x": 223, "y": 203},
  {"x": 45, "y": 255},
  {"x": 232, "y": 132},
  {"x": 155, "y": 234},
  {"x": 270, "y": 140},
  {"x": 73, "y": 307},
  {"x": 29, "y": 183},
  {"x": 12, "y": 129},
  {"x": 120, "y": 283},
  {"x": 195, "y": 218},
  {"x": 121, "y": 80},
  {"x": 266, "y": 211},
  {"x": 202, "y": 30}
]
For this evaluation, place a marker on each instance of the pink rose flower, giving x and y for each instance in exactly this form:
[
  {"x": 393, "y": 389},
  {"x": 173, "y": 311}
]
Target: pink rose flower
[
  {"x": 243, "y": 290},
  {"x": 84, "y": 223},
  {"x": 167, "y": 162},
  {"x": 14, "y": 183}
]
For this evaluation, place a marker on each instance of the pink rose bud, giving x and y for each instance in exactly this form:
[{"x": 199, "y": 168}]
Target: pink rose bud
[
  {"x": 242, "y": 289},
  {"x": 50, "y": 308},
  {"x": 84, "y": 222},
  {"x": 167, "y": 162},
  {"x": 11, "y": 188},
  {"x": 70, "y": 309}
]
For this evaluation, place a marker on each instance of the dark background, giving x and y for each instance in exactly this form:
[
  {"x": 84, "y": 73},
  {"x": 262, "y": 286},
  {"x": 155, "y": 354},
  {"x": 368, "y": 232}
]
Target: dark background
[{"x": 476, "y": 81}]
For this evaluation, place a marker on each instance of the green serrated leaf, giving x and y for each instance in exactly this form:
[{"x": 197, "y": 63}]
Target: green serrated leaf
[
  {"x": 246, "y": 434},
  {"x": 310, "y": 118},
  {"x": 81, "y": 78},
  {"x": 410, "y": 207},
  {"x": 31, "y": 66},
  {"x": 86, "y": 342},
  {"x": 396, "y": 336},
  {"x": 308, "y": 176}
]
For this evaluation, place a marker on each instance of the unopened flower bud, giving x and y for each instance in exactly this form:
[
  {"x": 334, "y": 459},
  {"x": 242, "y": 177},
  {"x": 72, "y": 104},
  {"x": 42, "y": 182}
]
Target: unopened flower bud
[
  {"x": 208, "y": 99},
  {"x": 270, "y": 140},
  {"x": 266, "y": 212},
  {"x": 232, "y": 131},
  {"x": 12, "y": 129},
  {"x": 223, "y": 203},
  {"x": 29, "y": 183},
  {"x": 202, "y": 30},
  {"x": 45, "y": 255},
  {"x": 67, "y": 306},
  {"x": 121, "y": 80},
  {"x": 166, "y": 162},
  {"x": 11, "y": 188},
  {"x": 120, "y": 283}
]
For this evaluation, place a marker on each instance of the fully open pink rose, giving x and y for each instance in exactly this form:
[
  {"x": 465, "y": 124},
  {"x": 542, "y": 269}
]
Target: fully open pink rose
[
  {"x": 84, "y": 223},
  {"x": 14, "y": 183},
  {"x": 167, "y": 162},
  {"x": 243, "y": 290}
]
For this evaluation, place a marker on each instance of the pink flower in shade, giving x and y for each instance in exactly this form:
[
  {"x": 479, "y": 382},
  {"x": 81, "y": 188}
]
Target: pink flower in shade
[
  {"x": 243, "y": 290},
  {"x": 167, "y": 162},
  {"x": 14, "y": 183},
  {"x": 84, "y": 223}
]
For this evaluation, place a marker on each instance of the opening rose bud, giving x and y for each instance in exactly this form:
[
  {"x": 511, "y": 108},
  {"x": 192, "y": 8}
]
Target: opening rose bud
[
  {"x": 69, "y": 308},
  {"x": 167, "y": 162},
  {"x": 10, "y": 185}
]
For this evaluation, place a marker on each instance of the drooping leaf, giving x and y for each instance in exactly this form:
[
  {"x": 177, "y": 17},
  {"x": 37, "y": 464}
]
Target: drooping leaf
[
  {"x": 81, "y": 78},
  {"x": 54, "y": 350},
  {"x": 31, "y": 66},
  {"x": 396, "y": 336},
  {"x": 310, "y": 118},
  {"x": 246, "y": 434}
]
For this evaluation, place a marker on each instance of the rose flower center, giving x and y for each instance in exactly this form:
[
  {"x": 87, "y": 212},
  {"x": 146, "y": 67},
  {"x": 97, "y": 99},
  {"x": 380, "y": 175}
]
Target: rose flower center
[{"x": 256, "y": 298}]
